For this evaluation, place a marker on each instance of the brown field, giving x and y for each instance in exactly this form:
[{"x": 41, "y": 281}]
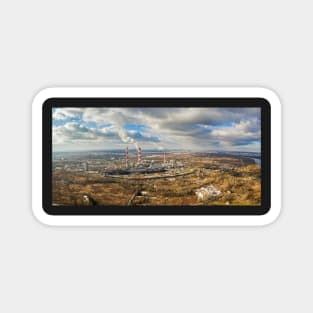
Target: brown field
[{"x": 237, "y": 179}]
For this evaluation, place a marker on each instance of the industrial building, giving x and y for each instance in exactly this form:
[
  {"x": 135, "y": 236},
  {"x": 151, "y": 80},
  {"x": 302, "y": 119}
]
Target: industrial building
[{"x": 142, "y": 166}]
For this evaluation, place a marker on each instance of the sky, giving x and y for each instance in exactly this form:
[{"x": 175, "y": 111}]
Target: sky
[{"x": 196, "y": 129}]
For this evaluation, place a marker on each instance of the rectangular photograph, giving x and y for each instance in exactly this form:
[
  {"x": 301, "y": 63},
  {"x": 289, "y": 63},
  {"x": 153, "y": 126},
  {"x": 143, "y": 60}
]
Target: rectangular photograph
[{"x": 147, "y": 156}]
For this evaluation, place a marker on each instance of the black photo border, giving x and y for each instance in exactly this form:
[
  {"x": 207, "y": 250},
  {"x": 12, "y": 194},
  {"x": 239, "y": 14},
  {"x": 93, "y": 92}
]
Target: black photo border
[{"x": 223, "y": 210}]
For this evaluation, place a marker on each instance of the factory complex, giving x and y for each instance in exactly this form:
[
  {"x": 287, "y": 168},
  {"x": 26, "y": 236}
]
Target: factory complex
[{"x": 139, "y": 177}]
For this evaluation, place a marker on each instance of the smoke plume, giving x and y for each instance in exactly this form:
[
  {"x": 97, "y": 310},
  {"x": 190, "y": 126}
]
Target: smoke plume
[
  {"x": 125, "y": 138},
  {"x": 119, "y": 122}
]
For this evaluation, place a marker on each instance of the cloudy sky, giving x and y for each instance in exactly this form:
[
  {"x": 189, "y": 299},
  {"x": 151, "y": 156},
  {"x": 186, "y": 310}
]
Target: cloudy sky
[{"x": 199, "y": 129}]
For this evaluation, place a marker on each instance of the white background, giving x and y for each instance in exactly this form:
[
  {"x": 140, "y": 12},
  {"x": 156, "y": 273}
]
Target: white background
[{"x": 195, "y": 43}]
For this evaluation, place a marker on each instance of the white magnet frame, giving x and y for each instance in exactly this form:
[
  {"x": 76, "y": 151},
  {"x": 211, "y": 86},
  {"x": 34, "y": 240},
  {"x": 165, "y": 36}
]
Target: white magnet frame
[{"x": 163, "y": 220}]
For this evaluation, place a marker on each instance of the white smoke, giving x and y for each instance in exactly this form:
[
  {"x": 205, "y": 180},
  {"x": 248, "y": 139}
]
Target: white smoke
[
  {"x": 124, "y": 136},
  {"x": 119, "y": 121}
]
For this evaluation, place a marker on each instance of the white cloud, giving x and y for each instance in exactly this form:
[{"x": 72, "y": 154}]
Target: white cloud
[
  {"x": 65, "y": 113},
  {"x": 75, "y": 132},
  {"x": 194, "y": 128},
  {"x": 242, "y": 133}
]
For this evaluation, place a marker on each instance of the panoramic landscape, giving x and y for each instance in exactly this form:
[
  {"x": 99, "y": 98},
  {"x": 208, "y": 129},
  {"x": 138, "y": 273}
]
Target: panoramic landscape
[{"x": 156, "y": 156}]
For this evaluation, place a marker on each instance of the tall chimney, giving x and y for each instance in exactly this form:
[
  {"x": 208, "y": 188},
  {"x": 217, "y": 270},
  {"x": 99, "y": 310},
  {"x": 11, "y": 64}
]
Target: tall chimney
[
  {"x": 164, "y": 158},
  {"x": 139, "y": 155},
  {"x": 126, "y": 156}
]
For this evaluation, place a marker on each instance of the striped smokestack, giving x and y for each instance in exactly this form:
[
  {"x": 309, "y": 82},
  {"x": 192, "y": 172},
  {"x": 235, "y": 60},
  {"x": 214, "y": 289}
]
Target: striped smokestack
[
  {"x": 126, "y": 156},
  {"x": 139, "y": 155}
]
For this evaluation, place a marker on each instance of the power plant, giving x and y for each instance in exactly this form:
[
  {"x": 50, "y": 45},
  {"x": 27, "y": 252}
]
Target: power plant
[
  {"x": 140, "y": 175},
  {"x": 141, "y": 166}
]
